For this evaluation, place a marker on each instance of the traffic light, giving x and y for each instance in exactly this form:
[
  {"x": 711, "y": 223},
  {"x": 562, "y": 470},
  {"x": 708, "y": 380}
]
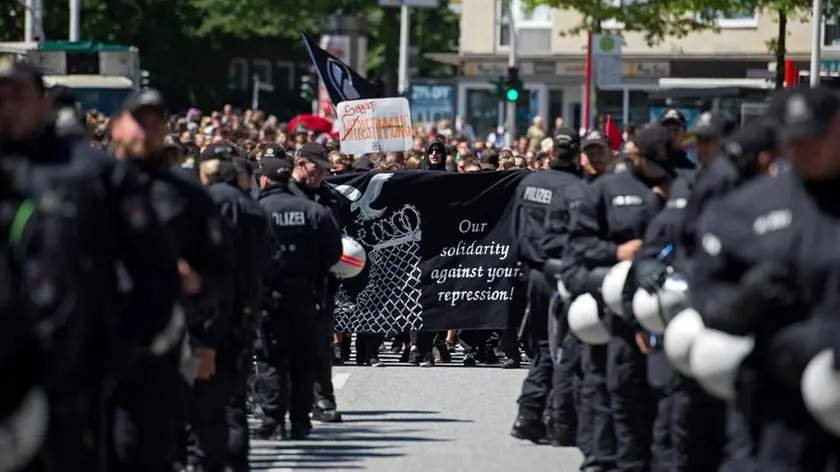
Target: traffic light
[
  {"x": 513, "y": 86},
  {"x": 309, "y": 86},
  {"x": 499, "y": 87}
]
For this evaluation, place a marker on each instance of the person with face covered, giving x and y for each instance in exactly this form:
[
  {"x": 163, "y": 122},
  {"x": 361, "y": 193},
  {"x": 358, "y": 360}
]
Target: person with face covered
[
  {"x": 607, "y": 228},
  {"x": 435, "y": 158},
  {"x": 544, "y": 201}
]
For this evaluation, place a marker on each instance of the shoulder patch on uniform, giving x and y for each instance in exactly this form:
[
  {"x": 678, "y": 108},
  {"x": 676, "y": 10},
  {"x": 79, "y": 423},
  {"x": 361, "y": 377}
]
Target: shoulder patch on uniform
[
  {"x": 711, "y": 244},
  {"x": 773, "y": 221}
]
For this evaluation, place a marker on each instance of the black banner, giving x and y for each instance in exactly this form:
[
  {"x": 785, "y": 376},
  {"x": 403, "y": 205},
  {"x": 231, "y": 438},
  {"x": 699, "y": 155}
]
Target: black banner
[
  {"x": 438, "y": 250},
  {"x": 341, "y": 82}
]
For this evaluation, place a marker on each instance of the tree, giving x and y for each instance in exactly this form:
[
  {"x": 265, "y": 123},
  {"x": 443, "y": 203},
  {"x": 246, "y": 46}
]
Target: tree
[
  {"x": 784, "y": 11},
  {"x": 655, "y": 19}
]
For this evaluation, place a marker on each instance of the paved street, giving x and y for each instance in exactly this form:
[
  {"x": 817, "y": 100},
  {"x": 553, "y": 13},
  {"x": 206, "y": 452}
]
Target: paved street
[{"x": 405, "y": 418}]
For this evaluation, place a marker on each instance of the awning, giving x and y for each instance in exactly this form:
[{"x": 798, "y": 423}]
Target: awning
[
  {"x": 701, "y": 83},
  {"x": 89, "y": 81}
]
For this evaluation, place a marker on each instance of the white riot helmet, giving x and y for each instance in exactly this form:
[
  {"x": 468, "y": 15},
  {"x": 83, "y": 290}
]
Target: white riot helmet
[
  {"x": 612, "y": 288},
  {"x": 23, "y": 431},
  {"x": 715, "y": 360},
  {"x": 653, "y": 310},
  {"x": 821, "y": 391},
  {"x": 585, "y": 321},
  {"x": 353, "y": 259},
  {"x": 680, "y": 335}
]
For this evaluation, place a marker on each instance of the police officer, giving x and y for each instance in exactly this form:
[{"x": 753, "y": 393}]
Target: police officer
[
  {"x": 205, "y": 265},
  {"x": 761, "y": 268},
  {"x": 103, "y": 217},
  {"x": 674, "y": 120},
  {"x": 307, "y": 181},
  {"x": 306, "y": 243},
  {"x": 543, "y": 203},
  {"x": 608, "y": 227},
  {"x": 23, "y": 407},
  {"x": 246, "y": 222},
  {"x": 651, "y": 265}
]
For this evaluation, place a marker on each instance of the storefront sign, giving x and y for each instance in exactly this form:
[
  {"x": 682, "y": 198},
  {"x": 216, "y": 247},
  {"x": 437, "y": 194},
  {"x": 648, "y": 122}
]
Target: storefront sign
[
  {"x": 647, "y": 70},
  {"x": 431, "y": 102}
]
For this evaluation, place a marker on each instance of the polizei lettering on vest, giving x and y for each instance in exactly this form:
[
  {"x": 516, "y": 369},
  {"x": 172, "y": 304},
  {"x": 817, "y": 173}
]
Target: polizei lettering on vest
[
  {"x": 289, "y": 218},
  {"x": 538, "y": 195}
]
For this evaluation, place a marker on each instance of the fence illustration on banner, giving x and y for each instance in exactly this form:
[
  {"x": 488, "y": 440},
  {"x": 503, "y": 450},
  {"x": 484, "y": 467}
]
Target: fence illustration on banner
[{"x": 390, "y": 300}]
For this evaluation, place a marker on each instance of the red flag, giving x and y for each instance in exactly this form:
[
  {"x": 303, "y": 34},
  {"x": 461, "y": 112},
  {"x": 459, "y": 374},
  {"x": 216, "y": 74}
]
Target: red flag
[
  {"x": 614, "y": 134},
  {"x": 791, "y": 74}
]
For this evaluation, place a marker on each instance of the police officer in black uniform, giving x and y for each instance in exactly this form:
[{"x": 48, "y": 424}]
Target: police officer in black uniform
[
  {"x": 110, "y": 233},
  {"x": 540, "y": 228},
  {"x": 306, "y": 243},
  {"x": 246, "y": 223},
  {"x": 146, "y": 395},
  {"x": 310, "y": 165},
  {"x": 762, "y": 267},
  {"x": 608, "y": 228},
  {"x": 23, "y": 404}
]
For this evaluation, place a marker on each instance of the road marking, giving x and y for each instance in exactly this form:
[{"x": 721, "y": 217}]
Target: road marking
[{"x": 339, "y": 380}]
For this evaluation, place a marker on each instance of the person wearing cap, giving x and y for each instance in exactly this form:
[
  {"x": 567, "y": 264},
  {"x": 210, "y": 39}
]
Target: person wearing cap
[
  {"x": 542, "y": 208},
  {"x": 306, "y": 243},
  {"x": 204, "y": 248},
  {"x": 673, "y": 447},
  {"x": 758, "y": 282},
  {"x": 310, "y": 164},
  {"x": 596, "y": 154},
  {"x": 248, "y": 230},
  {"x": 608, "y": 228},
  {"x": 113, "y": 224}
]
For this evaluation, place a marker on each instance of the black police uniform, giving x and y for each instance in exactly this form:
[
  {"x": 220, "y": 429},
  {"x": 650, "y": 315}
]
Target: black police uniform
[
  {"x": 541, "y": 213},
  {"x": 118, "y": 236},
  {"x": 340, "y": 209},
  {"x": 205, "y": 244},
  {"x": 247, "y": 226},
  {"x": 761, "y": 269},
  {"x": 23, "y": 402},
  {"x": 615, "y": 209},
  {"x": 306, "y": 244}
]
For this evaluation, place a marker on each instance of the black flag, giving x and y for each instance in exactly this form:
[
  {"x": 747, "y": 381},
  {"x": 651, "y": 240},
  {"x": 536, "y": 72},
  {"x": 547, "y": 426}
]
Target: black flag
[{"x": 341, "y": 82}]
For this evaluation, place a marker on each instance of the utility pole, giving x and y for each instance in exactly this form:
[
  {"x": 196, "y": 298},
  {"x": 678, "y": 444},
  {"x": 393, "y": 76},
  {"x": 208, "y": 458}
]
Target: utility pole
[
  {"x": 405, "y": 37},
  {"x": 511, "y": 106},
  {"x": 816, "y": 43},
  {"x": 75, "y": 20},
  {"x": 33, "y": 17}
]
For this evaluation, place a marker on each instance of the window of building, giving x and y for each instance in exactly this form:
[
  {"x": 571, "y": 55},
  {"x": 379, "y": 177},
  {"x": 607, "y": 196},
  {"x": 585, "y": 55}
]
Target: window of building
[
  {"x": 745, "y": 19},
  {"x": 614, "y": 24},
  {"x": 538, "y": 18},
  {"x": 238, "y": 74},
  {"x": 262, "y": 68},
  {"x": 285, "y": 79},
  {"x": 831, "y": 33}
]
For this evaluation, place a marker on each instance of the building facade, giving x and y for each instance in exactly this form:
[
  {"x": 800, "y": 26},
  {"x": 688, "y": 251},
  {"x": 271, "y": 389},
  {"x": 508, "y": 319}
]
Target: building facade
[{"x": 552, "y": 68}]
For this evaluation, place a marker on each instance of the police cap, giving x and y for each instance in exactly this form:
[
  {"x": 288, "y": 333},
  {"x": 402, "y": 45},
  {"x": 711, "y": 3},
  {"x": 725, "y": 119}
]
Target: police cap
[
  {"x": 672, "y": 116},
  {"x": 653, "y": 143},
  {"x": 273, "y": 168},
  {"x": 709, "y": 125},
  {"x": 315, "y": 153},
  {"x": 144, "y": 99},
  {"x": 222, "y": 151},
  {"x": 174, "y": 142},
  {"x": 568, "y": 140},
  {"x": 752, "y": 139},
  {"x": 808, "y": 113},
  {"x": 595, "y": 138},
  {"x": 274, "y": 150}
]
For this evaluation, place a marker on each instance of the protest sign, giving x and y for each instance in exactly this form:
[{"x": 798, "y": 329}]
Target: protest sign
[
  {"x": 378, "y": 125},
  {"x": 439, "y": 257}
]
